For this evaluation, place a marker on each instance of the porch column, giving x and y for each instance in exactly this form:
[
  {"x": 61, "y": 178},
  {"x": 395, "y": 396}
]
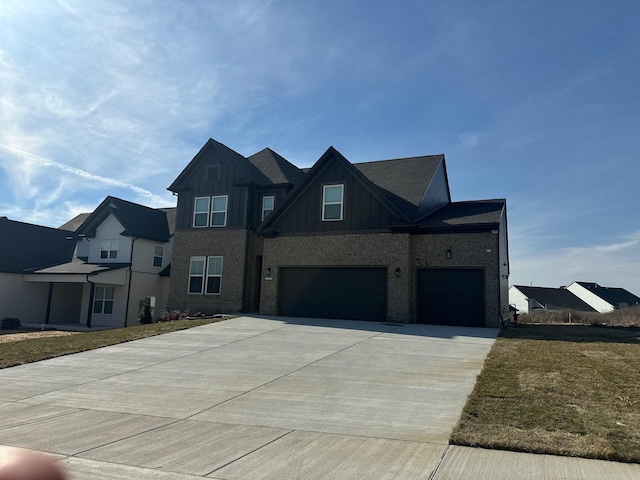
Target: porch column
[{"x": 48, "y": 315}]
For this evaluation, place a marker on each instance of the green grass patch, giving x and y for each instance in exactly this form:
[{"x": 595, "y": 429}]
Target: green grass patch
[
  {"x": 36, "y": 349},
  {"x": 558, "y": 389}
]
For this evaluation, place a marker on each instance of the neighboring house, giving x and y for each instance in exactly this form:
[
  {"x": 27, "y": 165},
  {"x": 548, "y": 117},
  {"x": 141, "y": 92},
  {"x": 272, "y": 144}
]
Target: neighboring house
[
  {"x": 603, "y": 299},
  {"x": 373, "y": 241},
  {"x": 530, "y": 299},
  {"x": 122, "y": 257},
  {"x": 24, "y": 246}
]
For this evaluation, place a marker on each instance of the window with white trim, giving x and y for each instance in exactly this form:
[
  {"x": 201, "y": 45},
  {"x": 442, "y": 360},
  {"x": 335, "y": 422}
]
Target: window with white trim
[
  {"x": 158, "y": 255},
  {"x": 103, "y": 300},
  {"x": 214, "y": 275},
  {"x": 109, "y": 249},
  {"x": 268, "y": 202},
  {"x": 201, "y": 211},
  {"x": 332, "y": 202},
  {"x": 196, "y": 274},
  {"x": 219, "y": 211}
]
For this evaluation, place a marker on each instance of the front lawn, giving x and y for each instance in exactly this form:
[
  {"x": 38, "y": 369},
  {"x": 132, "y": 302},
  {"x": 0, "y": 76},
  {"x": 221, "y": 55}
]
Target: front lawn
[
  {"x": 558, "y": 389},
  {"x": 36, "y": 349}
]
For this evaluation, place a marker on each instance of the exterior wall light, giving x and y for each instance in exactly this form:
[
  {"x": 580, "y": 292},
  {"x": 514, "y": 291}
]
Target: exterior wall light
[
  {"x": 397, "y": 272},
  {"x": 448, "y": 254},
  {"x": 268, "y": 276}
]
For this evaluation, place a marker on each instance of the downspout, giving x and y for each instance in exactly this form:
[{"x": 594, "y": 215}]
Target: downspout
[
  {"x": 91, "y": 295},
  {"x": 126, "y": 311}
]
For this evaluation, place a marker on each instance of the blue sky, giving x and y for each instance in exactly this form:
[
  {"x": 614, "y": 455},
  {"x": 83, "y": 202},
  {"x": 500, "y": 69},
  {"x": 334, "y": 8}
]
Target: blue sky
[{"x": 538, "y": 102}]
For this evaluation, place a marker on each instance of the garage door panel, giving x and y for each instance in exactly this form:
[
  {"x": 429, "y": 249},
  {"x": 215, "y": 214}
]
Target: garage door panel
[
  {"x": 357, "y": 293},
  {"x": 451, "y": 297}
]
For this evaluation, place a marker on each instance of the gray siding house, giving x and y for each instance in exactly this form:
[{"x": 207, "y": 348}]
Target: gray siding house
[{"x": 377, "y": 241}]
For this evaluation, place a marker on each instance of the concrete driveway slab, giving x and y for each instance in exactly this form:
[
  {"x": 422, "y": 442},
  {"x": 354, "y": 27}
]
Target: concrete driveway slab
[
  {"x": 85, "y": 469},
  {"x": 77, "y": 432},
  {"x": 112, "y": 395},
  {"x": 196, "y": 448},
  {"x": 318, "y": 456},
  {"x": 464, "y": 463},
  {"x": 14, "y": 414},
  {"x": 251, "y": 397}
]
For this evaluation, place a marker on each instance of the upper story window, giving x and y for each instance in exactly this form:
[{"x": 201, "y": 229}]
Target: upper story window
[
  {"x": 332, "y": 202},
  {"x": 109, "y": 249},
  {"x": 219, "y": 211},
  {"x": 201, "y": 211},
  {"x": 158, "y": 254},
  {"x": 268, "y": 203}
]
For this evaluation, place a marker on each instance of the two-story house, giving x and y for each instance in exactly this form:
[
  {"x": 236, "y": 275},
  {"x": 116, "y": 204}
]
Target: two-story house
[
  {"x": 373, "y": 241},
  {"x": 122, "y": 257}
]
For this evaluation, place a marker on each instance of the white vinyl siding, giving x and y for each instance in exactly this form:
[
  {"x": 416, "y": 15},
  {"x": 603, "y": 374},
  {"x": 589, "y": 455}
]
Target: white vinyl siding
[
  {"x": 201, "y": 211},
  {"x": 332, "y": 202}
]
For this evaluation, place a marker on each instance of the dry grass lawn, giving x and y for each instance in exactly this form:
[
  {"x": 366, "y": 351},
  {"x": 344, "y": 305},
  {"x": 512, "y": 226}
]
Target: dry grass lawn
[
  {"x": 42, "y": 347},
  {"x": 558, "y": 389}
]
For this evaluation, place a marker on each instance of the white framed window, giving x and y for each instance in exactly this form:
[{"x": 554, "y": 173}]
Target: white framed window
[
  {"x": 103, "y": 300},
  {"x": 109, "y": 249},
  {"x": 196, "y": 274},
  {"x": 219, "y": 211},
  {"x": 158, "y": 255},
  {"x": 332, "y": 202},
  {"x": 214, "y": 276},
  {"x": 268, "y": 202},
  {"x": 201, "y": 211}
]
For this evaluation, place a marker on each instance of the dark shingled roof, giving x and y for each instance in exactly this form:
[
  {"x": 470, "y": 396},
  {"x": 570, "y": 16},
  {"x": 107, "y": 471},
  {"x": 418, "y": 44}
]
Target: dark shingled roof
[
  {"x": 276, "y": 168},
  {"x": 470, "y": 213},
  {"x": 263, "y": 168},
  {"x": 73, "y": 224},
  {"x": 615, "y": 296},
  {"x": 402, "y": 181},
  {"x": 77, "y": 266},
  {"x": 137, "y": 220},
  {"x": 24, "y": 246},
  {"x": 555, "y": 298}
]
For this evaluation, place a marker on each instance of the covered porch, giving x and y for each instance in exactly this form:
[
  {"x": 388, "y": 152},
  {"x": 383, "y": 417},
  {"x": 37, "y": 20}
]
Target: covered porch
[{"x": 83, "y": 295}]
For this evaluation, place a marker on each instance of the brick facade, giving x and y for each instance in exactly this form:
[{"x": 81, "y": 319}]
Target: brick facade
[
  {"x": 404, "y": 251},
  {"x": 229, "y": 244}
]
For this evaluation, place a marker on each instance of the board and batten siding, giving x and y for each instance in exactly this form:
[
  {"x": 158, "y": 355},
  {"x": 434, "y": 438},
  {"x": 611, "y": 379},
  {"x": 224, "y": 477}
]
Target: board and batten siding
[
  {"x": 436, "y": 194},
  {"x": 213, "y": 176},
  {"x": 361, "y": 209}
]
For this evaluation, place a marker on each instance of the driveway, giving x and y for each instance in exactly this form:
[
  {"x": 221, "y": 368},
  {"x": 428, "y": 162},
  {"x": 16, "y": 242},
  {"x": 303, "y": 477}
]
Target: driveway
[{"x": 251, "y": 397}]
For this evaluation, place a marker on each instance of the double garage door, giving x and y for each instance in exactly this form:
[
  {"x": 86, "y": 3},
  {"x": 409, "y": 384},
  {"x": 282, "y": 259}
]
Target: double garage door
[
  {"x": 443, "y": 296},
  {"x": 451, "y": 297},
  {"x": 354, "y": 293}
]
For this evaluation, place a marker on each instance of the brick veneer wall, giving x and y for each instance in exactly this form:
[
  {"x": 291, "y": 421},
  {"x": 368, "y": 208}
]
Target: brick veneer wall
[
  {"x": 404, "y": 251},
  {"x": 469, "y": 250},
  {"x": 384, "y": 249},
  {"x": 231, "y": 245}
]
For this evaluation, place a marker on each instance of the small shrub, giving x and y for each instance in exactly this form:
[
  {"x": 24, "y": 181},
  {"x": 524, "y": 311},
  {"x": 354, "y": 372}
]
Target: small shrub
[
  {"x": 10, "y": 323},
  {"x": 145, "y": 316}
]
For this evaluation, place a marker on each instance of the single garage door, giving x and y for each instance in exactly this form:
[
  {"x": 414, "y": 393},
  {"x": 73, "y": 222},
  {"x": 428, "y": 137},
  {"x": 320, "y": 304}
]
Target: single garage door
[
  {"x": 451, "y": 297},
  {"x": 355, "y": 293}
]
